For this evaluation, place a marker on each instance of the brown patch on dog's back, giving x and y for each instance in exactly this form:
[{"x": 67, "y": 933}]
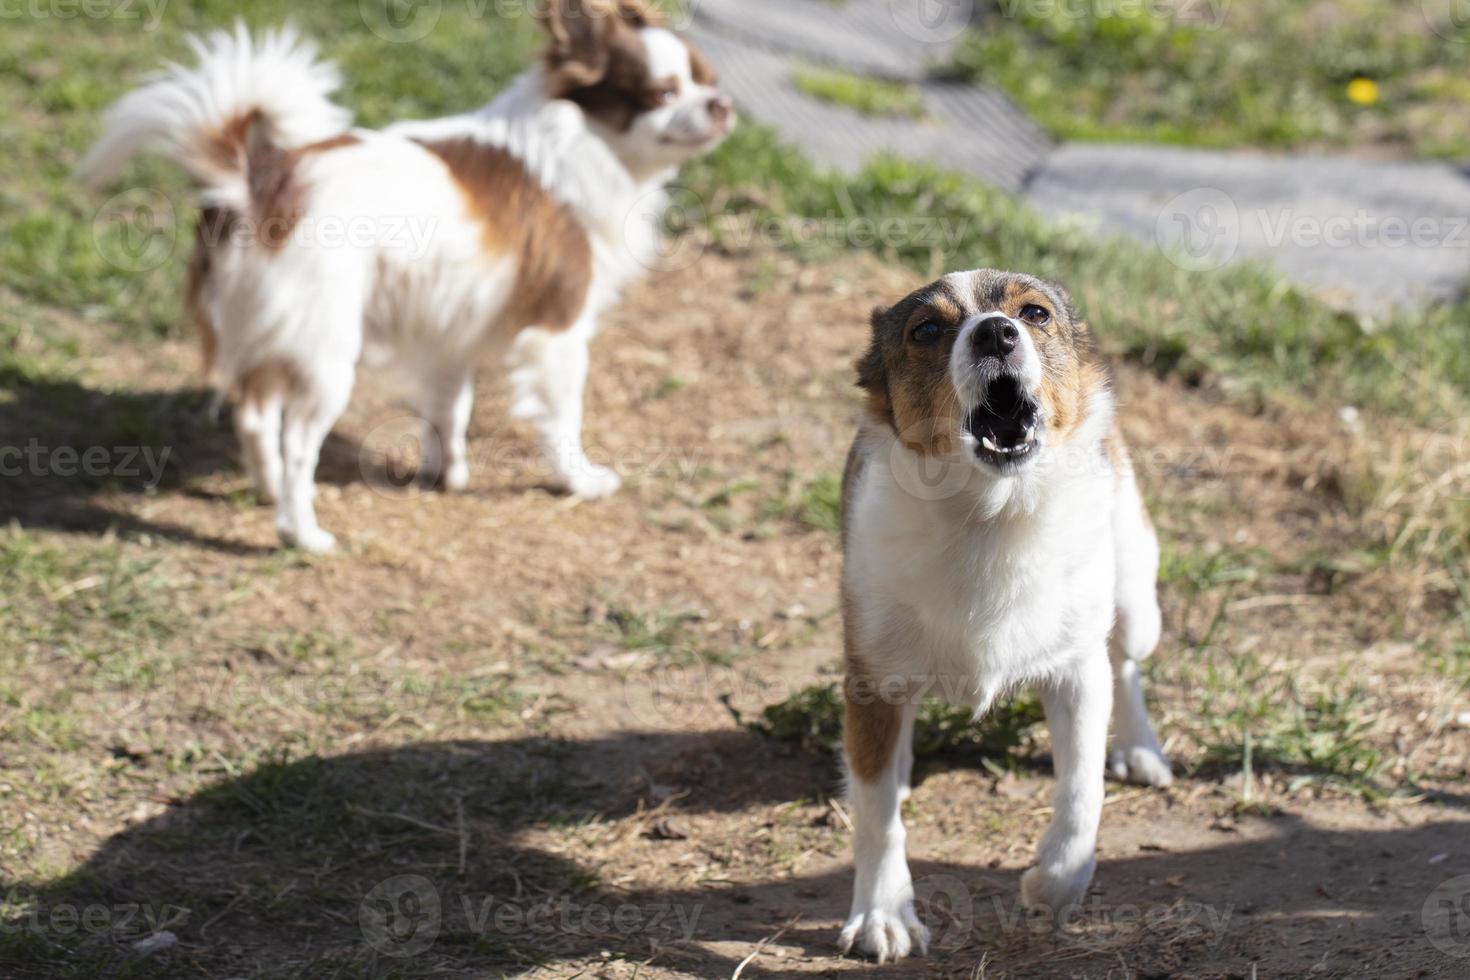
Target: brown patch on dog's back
[
  {"x": 276, "y": 205},
  {"x": 276, "y": 195},
  {"x": 214, "y": 226},
  {"x": 225, "y": 150},
  {"x": 523, "y": 221}
]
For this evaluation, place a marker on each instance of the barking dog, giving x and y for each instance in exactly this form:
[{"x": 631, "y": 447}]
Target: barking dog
[
  {"x": 534, "y": 212},
  {"x": 993, "y": 537}
]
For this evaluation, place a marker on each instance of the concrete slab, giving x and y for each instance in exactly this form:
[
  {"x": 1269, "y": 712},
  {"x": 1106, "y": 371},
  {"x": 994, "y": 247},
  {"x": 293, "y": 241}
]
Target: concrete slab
[
  {"x": 888, "y": 38},
  {"x": 974, "y": 130},
  {"x": 1369, "y": 235}
]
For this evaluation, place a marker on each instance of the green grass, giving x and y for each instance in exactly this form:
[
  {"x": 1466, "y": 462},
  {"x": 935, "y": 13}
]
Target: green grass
[
  {"x": 869, "y": 96},
  {"x": 88, "y": 602},
  {"x": 1275, "y": 73},
  {"x": 671, "y": 638},
  {"x": 1249, "y": 715},
  {"x": 812, "y": 718}
]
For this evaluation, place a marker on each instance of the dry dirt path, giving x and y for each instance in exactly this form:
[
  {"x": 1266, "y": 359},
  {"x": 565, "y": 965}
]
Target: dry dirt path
[{"x": 509, "y": 698}]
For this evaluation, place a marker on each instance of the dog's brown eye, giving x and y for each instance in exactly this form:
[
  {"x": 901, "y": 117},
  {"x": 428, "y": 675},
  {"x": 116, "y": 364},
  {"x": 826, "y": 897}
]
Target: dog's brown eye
[
  {"x": 1038, "y": 315},
  {"x": 925, "y": 333}
]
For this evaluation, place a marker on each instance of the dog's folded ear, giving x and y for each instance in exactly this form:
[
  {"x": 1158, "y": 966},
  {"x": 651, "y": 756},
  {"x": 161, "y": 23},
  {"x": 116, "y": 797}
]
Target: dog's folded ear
[
  {"x": 639, "y": 13},
  {"x": 872, "y": 369},
  {"x": 582, "y": 32},
  {"x": 579, "y": 32},
  {"x": 578, "y": 54}
]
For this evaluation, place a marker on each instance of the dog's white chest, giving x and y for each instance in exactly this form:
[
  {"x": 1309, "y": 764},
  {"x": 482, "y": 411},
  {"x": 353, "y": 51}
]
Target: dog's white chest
[{"x": 974, "y": 608}]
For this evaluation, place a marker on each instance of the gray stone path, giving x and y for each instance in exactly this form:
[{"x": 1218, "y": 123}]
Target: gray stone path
[
  {"x": 968, "y": 129},
  {"x": 1364, "y": 234}
]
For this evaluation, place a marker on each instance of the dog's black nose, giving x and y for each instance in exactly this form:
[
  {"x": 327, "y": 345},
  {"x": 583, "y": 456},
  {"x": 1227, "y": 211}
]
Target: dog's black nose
[{"x": 995, "y": 336}]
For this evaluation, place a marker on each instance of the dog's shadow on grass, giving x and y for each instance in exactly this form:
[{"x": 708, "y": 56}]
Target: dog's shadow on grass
[
  {"x": 461, "y": 859},
  {"x": 66, "y": 448}
]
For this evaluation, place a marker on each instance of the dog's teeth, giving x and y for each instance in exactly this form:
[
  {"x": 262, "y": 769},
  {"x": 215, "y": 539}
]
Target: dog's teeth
[{"x": 989, "y": 444}]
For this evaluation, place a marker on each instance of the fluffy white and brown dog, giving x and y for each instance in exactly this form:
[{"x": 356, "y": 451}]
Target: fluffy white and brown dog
[
  {"x": 534, "y": 211},
  {"x": 993, "y": 537}
]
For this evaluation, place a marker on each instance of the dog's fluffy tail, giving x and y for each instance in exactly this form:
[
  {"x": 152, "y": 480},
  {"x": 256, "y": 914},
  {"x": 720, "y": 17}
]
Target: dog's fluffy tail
[{"x": 244, "y": 91}]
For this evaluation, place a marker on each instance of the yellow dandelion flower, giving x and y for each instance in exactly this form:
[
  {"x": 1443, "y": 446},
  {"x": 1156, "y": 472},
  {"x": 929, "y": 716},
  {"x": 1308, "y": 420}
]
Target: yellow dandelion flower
[{"x": 1363, "y": 91}]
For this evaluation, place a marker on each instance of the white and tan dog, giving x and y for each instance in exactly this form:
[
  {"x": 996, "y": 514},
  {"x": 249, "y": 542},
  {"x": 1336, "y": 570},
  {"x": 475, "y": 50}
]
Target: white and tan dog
[
  {"x": 533, "y": 212},
  {"x": 994, "y": 537}
]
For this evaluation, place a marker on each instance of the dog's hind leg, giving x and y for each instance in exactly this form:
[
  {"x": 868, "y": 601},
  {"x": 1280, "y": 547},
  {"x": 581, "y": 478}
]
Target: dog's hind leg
[
  {"x": 446, "y": 411},
  {"x": 316, "y": 399},
  {"x": 1136, "y": 754},
  {"x": 258, "y": 426}
]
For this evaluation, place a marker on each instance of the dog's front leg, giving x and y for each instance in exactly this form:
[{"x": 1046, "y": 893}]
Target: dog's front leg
[
  {"x": 882, "y": 922},
  {"x": 1078, "y": 702},
  {"x": 548, "y": 374}
]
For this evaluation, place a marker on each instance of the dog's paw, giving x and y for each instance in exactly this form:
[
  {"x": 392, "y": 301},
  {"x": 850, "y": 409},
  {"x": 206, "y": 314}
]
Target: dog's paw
[
  {"x": 1056, "y": 888},
  {"x": 1142, "y": 764},
  {"x": 886, "y": 935},
  {"x": 456, "y": 476},
  {"x": 592, "y": 482},
  {"x": 314, "y": 540}
]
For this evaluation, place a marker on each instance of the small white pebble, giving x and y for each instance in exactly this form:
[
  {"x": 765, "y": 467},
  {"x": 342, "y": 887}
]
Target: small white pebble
[{"x": 155, "y": 943}]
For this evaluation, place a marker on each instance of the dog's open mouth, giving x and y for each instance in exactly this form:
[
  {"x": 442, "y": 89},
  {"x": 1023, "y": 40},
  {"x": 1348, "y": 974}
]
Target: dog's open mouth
[{"x": 1006, "y": 425}]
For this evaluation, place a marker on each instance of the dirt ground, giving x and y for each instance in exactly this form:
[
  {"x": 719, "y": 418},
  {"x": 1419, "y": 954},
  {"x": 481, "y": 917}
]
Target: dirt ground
[{"x": 502, "y": 731}]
